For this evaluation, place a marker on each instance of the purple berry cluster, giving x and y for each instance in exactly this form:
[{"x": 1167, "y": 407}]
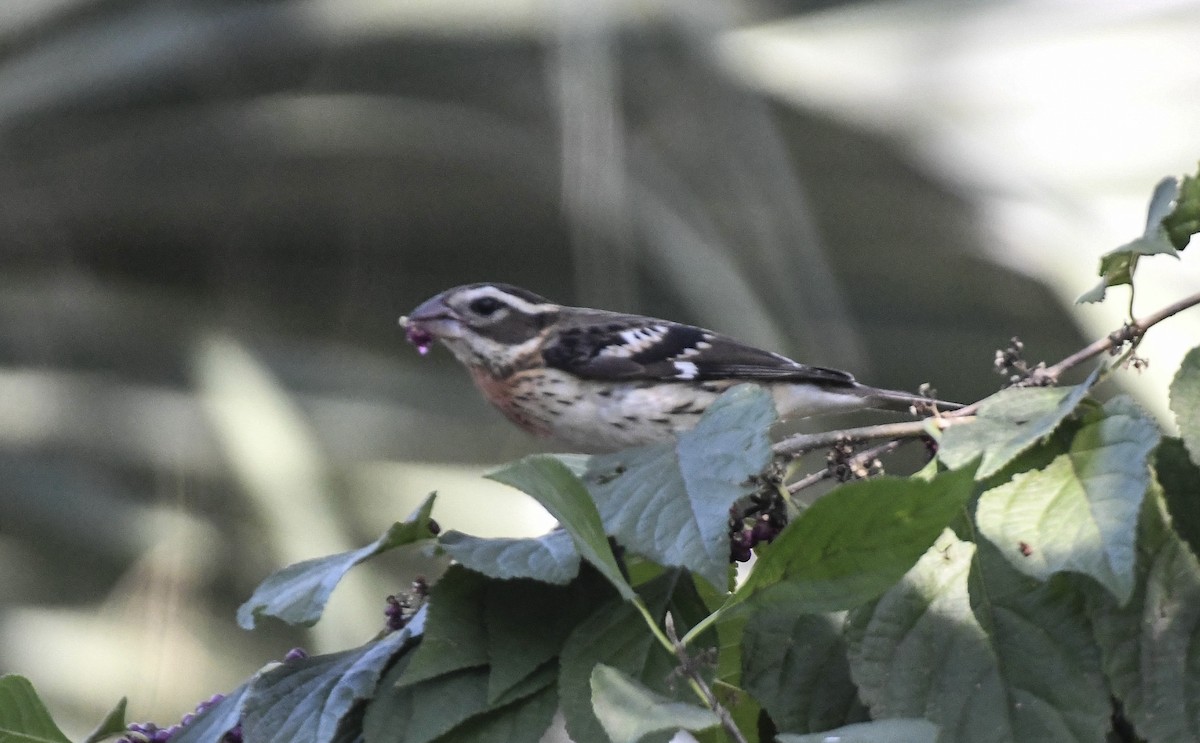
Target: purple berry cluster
[
  {"x": 763, "y": 530},
  {"x": 148, "y": 732},
  {"x": 401, "y": 608},
  {"x": 757, "y": 520}
]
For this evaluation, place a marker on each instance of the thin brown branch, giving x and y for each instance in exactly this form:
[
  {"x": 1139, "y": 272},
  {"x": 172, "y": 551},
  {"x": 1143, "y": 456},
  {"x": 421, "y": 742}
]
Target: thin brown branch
[
  {"x": 862, "y": 459},
  {"x": 1131, "y": 332},
  {"x": 690, "y": 669},
  {"x": 796, "y": 445}
]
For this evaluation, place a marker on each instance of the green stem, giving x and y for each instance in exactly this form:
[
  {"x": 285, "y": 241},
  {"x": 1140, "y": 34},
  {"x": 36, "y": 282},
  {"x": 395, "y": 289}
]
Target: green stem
[
  {"x": 700, "y": 627},
  {"x": 687, "y": 664},
  {"x": 677, "y": 649},
  {"x": 653, "y": 625}
]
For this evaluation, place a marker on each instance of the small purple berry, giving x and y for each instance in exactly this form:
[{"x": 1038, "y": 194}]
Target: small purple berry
[
  {"x": 739, "y": 546},
  {"x": 763, "y": 531},
  {"x": 394, "y": 611},
  {"x": 295, "y": 654}
]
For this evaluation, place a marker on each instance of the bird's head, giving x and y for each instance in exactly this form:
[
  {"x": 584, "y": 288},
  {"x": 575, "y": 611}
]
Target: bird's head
[{"x": 491, "y": 325}]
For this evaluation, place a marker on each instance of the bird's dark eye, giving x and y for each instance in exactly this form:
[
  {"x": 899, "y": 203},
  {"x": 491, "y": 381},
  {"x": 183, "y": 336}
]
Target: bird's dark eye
[{"x": 485, "y": 306}]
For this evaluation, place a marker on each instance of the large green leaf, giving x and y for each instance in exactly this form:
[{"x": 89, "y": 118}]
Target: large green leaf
[
  {"x": 306, "y": 701},
  {"x": 855, "y": 542},
  {"x": 1079, "y": 513},
  {"x": 456, "y": 637},
  {"x": 211, "y": 725},
  {"x": 523, "y": 721},
  {"x": 896, "y": 730},
  {"x": 23, "y": 716},
  {"x": 422, "y": 712},
  {"x": 528, "y": 622},
  {"x": 440, "y": 707},
  {"x": 111, "y": 726},
  {"x": 1180, "y": 480},
  {"x": 558, "y": 489},
  {"x": 1185, "y": 401},
  {"x": 512, "y": 626},
  {"x": 1151, "y": 646},
  {"x": 671, "y": 502},
  {"x": 629, "y": 711},
  {"x": 550, "y": 558},
  {"x": 795, "y": 665},
  {"x": 298, "y": 593},
  {"x": 1117, "y": 266},
  {"x": 616, "y": 636},
  {"x": 1008, "y": 423},
  {"x": 988, "y": 655},
  {"x": 1184, "y": 219}
]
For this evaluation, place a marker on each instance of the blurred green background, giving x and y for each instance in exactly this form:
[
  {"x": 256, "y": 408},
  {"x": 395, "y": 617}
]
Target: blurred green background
[{"x": 212, "y": 213}]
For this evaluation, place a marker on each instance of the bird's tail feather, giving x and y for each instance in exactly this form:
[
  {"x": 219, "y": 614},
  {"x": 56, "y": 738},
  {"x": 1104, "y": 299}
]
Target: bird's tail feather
[{"x": 902, "y": 401}]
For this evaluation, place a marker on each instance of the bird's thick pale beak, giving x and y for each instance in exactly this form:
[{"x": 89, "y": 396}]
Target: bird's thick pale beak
[{"x": 432, "y": 320}]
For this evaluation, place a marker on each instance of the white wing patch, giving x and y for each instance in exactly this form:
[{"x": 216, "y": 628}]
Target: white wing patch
[
  {"x": 686, "y": 370},
  {"x": 696, "y": 350},
  {"x": 636, "y": 340}
]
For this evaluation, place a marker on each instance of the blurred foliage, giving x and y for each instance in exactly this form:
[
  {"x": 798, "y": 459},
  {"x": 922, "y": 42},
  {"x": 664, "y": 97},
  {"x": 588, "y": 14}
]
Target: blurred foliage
[{"x": 211, "y": 214}]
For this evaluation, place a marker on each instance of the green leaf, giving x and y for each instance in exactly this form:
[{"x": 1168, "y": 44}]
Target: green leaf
[
  {"x": 1184, "y": 219},
  {"x": 211, "y": 725},
  {"x": 1117, "y": 266},
  {"x": 528, "y": 622},
  {"x": 1096, "y": 293},
  {"x": 23, "y": 716},
  {"x": 298, "y": 593},
  {"x": 514, "y": 627},
  {"x": 1008, "y": 423},
  {"x": 551, "y": 558},
  {"x": 616, "y": 635},
  {"x": 988, "y": 655},
  {"x": 305, "y": 701},
  {"x": 896, "y": 730},
  {"x": 553, "y": 485},
  {"x": 523, "y": 721},
  {"x": 629, "y": 711},
  {"x": 422, "y": 712},
  {"x": 671, "y": 503},
  {"x": 112, "y": 725},
  {"x": 855, "y": 542},
  {"x": 1185, "y": 402},
  {"x": 1180, "y": 480},
  {"x": 1079, "y": 513},
  {"x": 795, "y": 665},
  {"x": 442, "y": 706},
  {"x": 543, "y": 677},
  {"x": 455, "y": 636},
  {"x": 1151, "y": 646}
]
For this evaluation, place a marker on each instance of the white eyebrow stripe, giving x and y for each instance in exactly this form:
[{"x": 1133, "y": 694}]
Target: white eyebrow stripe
[{"x": 515, "y": 302}]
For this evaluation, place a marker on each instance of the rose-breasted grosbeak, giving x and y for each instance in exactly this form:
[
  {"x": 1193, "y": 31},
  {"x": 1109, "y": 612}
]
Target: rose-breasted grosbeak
[{"x": 600, "y": 381}]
